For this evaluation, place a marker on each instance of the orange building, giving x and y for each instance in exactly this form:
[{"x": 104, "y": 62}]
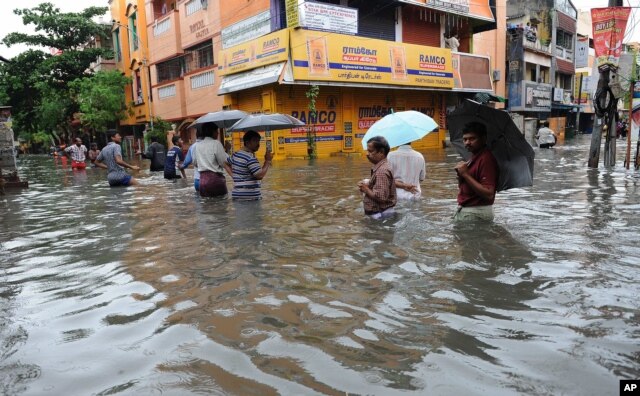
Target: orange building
[
  {"x": 132, "y": 59},
  {"x": 368, "y": 58},
  {"x": 183, "y": 38}
]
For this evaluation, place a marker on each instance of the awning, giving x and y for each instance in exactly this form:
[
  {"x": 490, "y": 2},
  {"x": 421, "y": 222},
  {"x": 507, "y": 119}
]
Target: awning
[
  {"x": 480, "y": 13},
  {"x": 252, "y": 78},
  {"x": 562, "y": 106}
]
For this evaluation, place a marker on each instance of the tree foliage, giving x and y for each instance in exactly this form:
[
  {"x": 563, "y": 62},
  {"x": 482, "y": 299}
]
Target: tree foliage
[
  {"x": 37, "y": 83},
  {"x": 101, "y": 98}
]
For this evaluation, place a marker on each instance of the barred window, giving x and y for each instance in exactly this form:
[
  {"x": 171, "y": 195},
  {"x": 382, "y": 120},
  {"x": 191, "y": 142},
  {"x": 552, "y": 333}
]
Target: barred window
[
  {"x": 199, "y": 56},
  {"x": 170, "y": 70}
]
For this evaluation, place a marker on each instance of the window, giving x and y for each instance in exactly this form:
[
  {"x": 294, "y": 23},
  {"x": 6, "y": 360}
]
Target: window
[
  {"x": 116, "y": 45},
  {"x": 564, "y": 81},
  {"x": 137, "y": 88},
  {"x": 564, "y": 39},
  {"x": 199, "y": 56},
  {"x": 172, "y": 69},
  {"x": 133, "y": 29}
]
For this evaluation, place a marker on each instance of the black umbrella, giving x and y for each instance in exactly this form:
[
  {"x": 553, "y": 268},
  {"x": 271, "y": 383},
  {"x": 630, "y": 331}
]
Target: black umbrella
[
  {"x": 222, "y": 118},
  {"x": 266, "y": 122},
  {"x": 508, "y": 145}
]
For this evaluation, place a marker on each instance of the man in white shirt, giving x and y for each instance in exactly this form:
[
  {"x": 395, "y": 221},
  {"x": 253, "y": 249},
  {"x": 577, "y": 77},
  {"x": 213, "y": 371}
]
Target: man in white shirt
[
  {"x": 210, "y": 160},
  {"x": 408, "y": 167},
  {"x": 545, "y": 136},
  {"x": 452, "y": 42}
]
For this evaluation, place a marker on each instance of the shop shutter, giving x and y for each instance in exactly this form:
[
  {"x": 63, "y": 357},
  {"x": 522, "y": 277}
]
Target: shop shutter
[
  {"x": 419, "y": 27},
  {"x": 376, "y": 19}
]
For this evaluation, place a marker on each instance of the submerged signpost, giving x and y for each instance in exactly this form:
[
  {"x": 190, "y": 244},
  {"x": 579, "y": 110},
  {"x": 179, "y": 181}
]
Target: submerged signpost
[{"x": 8, "y": 167}]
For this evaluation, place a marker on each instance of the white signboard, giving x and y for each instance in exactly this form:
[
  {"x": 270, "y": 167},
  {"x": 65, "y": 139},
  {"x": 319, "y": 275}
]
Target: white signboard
[
  {"x": 558, "y": 94},
  {"x": 253, "y": 78},
  {"x": 247, "y": 29},
  {"x": 327, "y": 17},
  {"x": 582, "y": 52}
]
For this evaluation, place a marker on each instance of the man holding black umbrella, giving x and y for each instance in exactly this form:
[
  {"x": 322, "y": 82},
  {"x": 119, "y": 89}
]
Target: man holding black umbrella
[{"x": 477, "y": 178}]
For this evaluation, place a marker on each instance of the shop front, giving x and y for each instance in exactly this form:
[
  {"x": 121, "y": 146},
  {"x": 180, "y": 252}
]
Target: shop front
[{"x": 358, "y": 85}]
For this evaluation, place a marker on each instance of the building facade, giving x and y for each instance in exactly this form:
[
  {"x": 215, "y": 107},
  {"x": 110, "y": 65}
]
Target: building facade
[
  {"x": 190, "y": 57},
  {"x": 541, "y": 42},
  {"x": 368, "y": 58},
  {"x": 131, "y": 56}
]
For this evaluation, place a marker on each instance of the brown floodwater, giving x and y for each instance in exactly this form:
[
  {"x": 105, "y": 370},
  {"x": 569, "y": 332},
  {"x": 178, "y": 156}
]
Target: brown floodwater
[{"x": 153, "y": 290}]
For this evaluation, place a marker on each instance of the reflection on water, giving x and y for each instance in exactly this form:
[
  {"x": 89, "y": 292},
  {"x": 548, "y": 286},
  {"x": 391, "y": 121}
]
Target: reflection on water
[{"x": 154, "y": 290}]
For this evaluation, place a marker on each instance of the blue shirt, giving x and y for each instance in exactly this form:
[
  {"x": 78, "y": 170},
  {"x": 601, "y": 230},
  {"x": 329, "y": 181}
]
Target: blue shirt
[
  {"x": 189, "y": 159},
  {"x": 245, "y": 166},
  {"x": 170, "y": 161}
]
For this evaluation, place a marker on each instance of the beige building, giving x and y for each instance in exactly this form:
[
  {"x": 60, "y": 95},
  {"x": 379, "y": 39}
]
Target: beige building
[{"x": 492, "y": 44}]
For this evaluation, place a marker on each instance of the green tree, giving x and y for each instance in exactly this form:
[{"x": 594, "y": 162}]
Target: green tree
[
  {"x": 101, "y": 99},
  {"x": 160, "y": 129},
  {"x": 312, "y": 95},
  {"x": 37, "y": 83},
  {"x": 19, "y": 80}
]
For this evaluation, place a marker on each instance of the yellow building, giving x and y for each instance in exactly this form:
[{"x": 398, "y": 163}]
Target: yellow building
[
  {"x": 206, "y": 55},
  {"x": 131, "y": 56}
]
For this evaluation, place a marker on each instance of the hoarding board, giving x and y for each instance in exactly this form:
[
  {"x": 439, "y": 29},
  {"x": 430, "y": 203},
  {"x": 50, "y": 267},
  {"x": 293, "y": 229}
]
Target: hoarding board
[
  {"x": 609, "y": 25},
  {"x": 266, "y": 50},
  {"x": 247, "y": 29},
  {"x": 337, "y": 57}
]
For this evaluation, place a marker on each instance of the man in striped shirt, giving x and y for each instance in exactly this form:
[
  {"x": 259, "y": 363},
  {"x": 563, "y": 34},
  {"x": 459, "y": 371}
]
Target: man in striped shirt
[
  {"x": 78, "y": 154},
  {"x": 247, "y": 171}
]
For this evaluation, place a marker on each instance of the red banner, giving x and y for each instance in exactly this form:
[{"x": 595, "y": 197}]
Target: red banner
[{"x": 608, "y": 25}]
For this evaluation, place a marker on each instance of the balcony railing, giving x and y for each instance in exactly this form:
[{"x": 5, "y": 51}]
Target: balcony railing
[
  {"x": 535, "y": 44},
  {"x": 161, "y": 26},
  {"x": 564, "y": 53}
]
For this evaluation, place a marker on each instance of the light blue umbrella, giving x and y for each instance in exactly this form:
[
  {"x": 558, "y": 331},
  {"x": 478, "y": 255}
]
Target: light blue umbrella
[{"x": 401, "y": 128}]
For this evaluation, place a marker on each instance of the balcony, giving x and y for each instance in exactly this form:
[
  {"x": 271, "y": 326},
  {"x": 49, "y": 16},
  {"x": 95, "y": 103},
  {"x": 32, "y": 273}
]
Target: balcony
[
  {"x": 164, "y": 37},
  {"x": 201, "y": 92},
  {"x": 169, "y": 101},
  {"x": 534, "y": 44},
  {"x": 564, "y": 53}
]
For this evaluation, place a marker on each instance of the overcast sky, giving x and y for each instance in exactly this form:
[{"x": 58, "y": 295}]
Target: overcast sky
[{"x": 12, "y": 23}]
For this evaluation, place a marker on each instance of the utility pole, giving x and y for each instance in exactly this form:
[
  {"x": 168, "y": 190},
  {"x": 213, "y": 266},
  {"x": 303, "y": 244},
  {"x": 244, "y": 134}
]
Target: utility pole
[{"x": 606, "y": 78}]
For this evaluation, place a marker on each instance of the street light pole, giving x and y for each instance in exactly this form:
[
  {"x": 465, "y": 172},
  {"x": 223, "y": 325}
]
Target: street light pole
[{"x": 145, "y": 66}]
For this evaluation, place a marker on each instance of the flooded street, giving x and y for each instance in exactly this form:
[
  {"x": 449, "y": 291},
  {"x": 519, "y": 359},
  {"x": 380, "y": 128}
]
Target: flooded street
[{"x": 153, "y": 290}]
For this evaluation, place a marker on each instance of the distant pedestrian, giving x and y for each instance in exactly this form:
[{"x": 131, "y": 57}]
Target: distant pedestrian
[
  {"x": 210, "y": 159},
  {"x": 452, "y": 42},
  {"x": 78, "y": 154},
  {"x": 477, "y": 178},
  {"x": 189, "y": 158},
  {"x": 247, "y": 172},
  {"x": 174, "y": 159},
  {"x": 155, "y": 152},
  {"x": 380, "y": 190},
  {"x": 545, "y": 136},
  {"x": 110, "y": 158},
  {"x": 93, "y": 154},
  {"x": 409, "y": 169}
]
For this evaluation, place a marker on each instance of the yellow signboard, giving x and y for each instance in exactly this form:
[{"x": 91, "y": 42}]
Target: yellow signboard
[
  {"x": 293, "y": 19},
  {"x": 337, "y": 57},
  {"x": 266, "y": 50}
]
